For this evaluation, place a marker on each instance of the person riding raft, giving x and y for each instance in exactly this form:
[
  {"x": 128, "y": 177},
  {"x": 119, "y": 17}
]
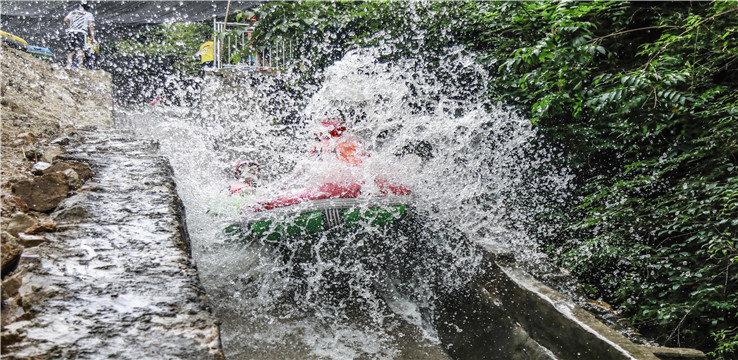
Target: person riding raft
[
  {"x": 248, "y": 175},
  {"x": 334, "y": 139}
]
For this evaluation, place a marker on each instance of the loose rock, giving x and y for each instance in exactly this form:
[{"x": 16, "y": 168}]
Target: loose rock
[
  {"x": 10, "y": 287},
  {"x": 12, "y": 311},
  {"x": 41, "y": 227},
  {"x": 43, "y": 193},
  {"x": 29, "y": 241},
  {"x": 72, "y": 179},
  {"x": 19, "y": 223},
  {"x": 72, "y": 215},
  {"x": 11, "y": 253},
  {"x": 39, "y": 167},
  {"x": 82, "y": 169},
  {"x": 12, "y": 204},
  {"x": 52, "y": 152}
]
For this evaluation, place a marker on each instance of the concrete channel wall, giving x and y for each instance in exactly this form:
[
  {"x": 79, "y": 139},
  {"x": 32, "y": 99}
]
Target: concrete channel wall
[{"x": 507, "y": 314}]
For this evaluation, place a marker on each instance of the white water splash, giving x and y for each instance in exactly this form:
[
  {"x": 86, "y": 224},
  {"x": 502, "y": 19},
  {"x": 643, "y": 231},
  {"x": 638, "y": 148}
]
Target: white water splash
[{"x": 471, "y": 165}]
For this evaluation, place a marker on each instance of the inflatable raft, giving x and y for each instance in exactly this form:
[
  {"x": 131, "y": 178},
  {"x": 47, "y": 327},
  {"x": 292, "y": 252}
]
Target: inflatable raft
[
  {"x": 322, "y": 208},
  {"x": 40, "y": 52},
  {"x": 348, "y": 204},
  {"x": 13, "y": 41}
]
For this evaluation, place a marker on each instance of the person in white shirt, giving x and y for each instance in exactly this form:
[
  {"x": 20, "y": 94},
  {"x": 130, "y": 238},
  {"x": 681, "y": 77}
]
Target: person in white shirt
[{"x": 80, "y": 24}]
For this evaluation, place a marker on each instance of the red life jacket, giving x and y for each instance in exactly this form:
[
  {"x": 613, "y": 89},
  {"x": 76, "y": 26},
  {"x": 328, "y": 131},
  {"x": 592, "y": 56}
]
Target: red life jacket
[{"x": 346, "y": 150}]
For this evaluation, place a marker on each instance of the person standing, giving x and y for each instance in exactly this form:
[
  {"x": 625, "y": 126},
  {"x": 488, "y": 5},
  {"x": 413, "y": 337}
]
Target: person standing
[
  {"x": 80, "y": 24},
  {"x": 207, "y": 57}
]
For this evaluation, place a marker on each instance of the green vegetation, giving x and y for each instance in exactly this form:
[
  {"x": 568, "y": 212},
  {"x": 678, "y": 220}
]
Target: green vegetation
[
  {"x": 644, "y": 97},
  {"x": 641, "y": 96},
  {"x": 325, "y": 31},
  {"x": 181, "y": 40}
]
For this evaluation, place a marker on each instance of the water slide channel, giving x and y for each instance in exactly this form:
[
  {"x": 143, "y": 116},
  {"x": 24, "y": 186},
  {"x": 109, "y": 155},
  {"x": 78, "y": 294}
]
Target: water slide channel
[
  {"x": 429, "y": 289},
  {"x": 470, "y": 170}
]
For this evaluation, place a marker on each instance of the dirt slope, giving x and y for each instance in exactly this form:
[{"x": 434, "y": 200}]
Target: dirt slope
[{"x": 41, "y": 101}]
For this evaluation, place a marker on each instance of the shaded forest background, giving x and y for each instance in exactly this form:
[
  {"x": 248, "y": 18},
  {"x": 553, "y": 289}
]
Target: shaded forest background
[{"x": 641, "y": 99}]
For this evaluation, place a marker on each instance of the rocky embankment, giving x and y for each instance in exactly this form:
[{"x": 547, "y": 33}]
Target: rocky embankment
[
  {"x": 94, "y": 249},
  {"x": 39, "y": 103}
]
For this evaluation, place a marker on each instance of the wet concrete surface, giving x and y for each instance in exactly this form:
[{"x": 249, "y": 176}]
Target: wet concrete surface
[
  {"x": 116, "y": 281},
  {"x": 508, "y": 314}
]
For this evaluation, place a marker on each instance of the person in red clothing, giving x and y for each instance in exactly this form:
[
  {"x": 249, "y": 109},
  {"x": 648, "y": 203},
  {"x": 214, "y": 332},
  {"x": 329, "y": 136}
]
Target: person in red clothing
[{"x": 335, "y": 140}]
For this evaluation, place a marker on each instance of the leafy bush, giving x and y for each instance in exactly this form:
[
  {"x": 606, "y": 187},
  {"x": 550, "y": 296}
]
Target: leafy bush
[{"x": 648, "y": 111}]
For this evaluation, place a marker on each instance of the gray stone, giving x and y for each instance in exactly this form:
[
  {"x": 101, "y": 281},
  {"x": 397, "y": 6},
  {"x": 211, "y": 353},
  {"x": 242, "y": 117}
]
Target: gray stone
[
  {"x": 15, "y": 203},
  {"x": 10, "y": 254},
  {"x": 29, "y": 241},
  {"x": 28, "y": 258},
  {"x": 74, "y": 214},
  {"x": 12, "y": 311},
  {"x": 82, "y": 169},
  {"x": 11, "y": 286},
  {"x": 73, "y": 179},
  {"x": 42, "y": 226},
  {"x": 50, "y": 153},
  {"x": 39, "y": 167},
  {"x": 62, "y": 140}
]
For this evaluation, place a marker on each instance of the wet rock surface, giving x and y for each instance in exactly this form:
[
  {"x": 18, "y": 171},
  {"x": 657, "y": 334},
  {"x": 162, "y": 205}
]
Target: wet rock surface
[{"x": 115, "y": 279}]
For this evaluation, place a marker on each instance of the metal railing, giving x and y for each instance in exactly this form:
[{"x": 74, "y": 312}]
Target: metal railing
[{"x": 237, "y": 50}]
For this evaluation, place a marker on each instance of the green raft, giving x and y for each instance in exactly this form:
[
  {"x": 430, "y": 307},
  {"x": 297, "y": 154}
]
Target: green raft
[{"x": 312, "y": 222}]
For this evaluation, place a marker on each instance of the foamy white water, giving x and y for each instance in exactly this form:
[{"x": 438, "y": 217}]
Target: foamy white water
[{"x": 472, "y": 166}]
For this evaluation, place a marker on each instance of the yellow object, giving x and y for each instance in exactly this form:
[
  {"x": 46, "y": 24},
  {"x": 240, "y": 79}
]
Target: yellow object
[
  {"x": 206, "y": 52},
  {"x": 13, "y": 40},
  {"x": 93, "y": 45}
]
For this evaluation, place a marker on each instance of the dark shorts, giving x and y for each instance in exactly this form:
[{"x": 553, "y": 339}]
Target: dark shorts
[
  {"x": 207, "y": 65},
  {"x": 75, "y": 40}
]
